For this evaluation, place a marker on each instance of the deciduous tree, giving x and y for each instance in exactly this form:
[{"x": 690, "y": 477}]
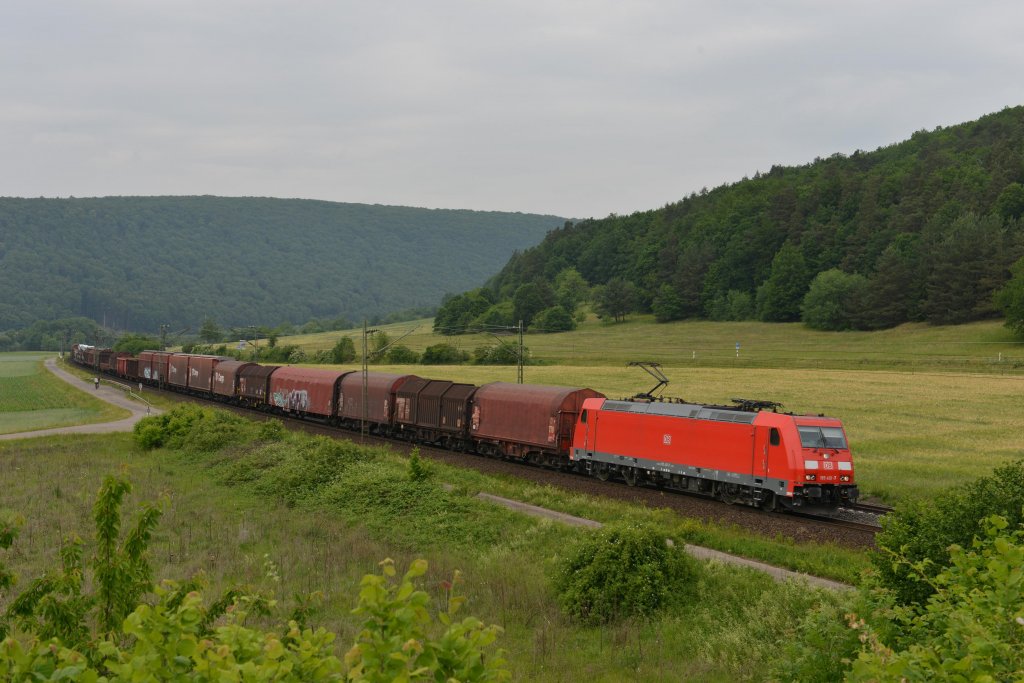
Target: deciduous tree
[
  {"x": 780, "y": 297},
  {"x": 615, "y": 300},
  {"x": 835, "y": 301}
]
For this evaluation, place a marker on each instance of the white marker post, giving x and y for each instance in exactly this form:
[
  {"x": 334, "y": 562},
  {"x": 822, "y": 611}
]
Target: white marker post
[{"x": 737, "y": 349}]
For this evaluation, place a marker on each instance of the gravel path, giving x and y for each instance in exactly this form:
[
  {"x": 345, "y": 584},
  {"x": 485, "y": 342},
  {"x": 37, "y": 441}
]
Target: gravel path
[
  {"x": 106, "y": 392},
  {"x": 777, "y": 573}
]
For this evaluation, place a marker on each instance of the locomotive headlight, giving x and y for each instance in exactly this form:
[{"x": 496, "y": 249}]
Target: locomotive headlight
[
  {"x": 844, "y": 477},
  {"x": 809, "y": 477}
]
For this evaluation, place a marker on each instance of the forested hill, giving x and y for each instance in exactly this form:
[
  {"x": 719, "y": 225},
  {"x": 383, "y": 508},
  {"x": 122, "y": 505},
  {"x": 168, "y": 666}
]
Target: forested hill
[
  {"x": 139, "y": 262},
  {"x": 921, "y": 230}
]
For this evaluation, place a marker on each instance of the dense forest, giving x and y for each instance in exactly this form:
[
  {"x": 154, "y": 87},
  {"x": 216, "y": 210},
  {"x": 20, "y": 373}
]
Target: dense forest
[
  {"x": 139, "y": 262},
  {"x": 923, "y": 230}
]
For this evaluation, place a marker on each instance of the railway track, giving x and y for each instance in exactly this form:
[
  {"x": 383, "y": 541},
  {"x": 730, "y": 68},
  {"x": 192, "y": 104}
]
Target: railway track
[
  {"x": 846, "y": 532},
  {"x": 871, "y": 508},
  {"x": 841, "y": 522}
]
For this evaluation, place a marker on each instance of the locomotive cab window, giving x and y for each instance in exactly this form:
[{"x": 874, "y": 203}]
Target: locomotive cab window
[
  {"x": 833, "y": 437},
  {"x": 773, "y": 437},
  {"x": 821, "y": 437},
  {"x": 583, "y": 418}
]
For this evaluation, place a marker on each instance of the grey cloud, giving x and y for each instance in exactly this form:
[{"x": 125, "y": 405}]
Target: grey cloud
[{"x": 577, "y": 108}]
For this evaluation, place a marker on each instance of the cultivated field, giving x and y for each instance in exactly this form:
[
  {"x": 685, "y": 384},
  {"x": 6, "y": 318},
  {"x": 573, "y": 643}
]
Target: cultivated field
[{"x": 31, "y": 398}]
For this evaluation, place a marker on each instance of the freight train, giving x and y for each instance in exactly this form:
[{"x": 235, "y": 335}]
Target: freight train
[{"x": 748, "y": 453}]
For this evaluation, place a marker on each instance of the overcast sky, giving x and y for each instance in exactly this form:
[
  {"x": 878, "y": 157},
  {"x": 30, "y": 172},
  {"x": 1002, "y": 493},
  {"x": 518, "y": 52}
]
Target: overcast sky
[{"x": 572, "y": 108}]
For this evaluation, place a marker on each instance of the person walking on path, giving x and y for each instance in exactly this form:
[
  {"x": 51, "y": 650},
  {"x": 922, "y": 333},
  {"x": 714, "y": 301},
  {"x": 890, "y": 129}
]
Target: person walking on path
[{"x": 96, "y": 382}]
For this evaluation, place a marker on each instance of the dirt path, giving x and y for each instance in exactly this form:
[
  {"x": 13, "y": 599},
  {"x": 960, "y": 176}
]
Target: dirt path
[{"x": 107, "y": 393}]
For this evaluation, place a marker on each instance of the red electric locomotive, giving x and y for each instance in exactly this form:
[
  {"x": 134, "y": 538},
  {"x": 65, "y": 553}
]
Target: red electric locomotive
[{"x": 739, "y": 454}]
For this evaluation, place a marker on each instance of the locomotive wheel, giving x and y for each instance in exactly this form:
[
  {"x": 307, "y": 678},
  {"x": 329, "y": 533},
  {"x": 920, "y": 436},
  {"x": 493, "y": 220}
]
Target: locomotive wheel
[
  {"x": 727, "y": 494},
  {"x": 629, "y": 476},
  {"x": 601, "y": 471}
]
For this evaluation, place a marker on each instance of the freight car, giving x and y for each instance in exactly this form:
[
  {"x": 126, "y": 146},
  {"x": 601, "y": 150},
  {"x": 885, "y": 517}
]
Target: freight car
[{"x": 747, "y": 453}]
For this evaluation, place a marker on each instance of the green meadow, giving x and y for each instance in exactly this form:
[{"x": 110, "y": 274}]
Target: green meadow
[
  {"x": 31, "y": 398},
  {"x": 985, "y": 347}
]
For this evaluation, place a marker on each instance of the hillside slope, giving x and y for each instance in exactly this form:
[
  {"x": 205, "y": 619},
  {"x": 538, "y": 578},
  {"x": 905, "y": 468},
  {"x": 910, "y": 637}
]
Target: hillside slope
[
  {"x": 921, "y": 230},
  {"x": 139, "y": 262}
]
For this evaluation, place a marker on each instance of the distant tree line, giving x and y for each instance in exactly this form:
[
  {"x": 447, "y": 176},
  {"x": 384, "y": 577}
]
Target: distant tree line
[
  {"x": 380, "y": 351},
  {"x": 133, "y": 262},
  {"x": 924, "y": 230},
  {"x": 54, "y": 335}
]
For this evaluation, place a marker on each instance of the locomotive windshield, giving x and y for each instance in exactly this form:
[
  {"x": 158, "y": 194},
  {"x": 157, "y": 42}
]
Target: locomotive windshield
[{"x": 822, "y": 437}]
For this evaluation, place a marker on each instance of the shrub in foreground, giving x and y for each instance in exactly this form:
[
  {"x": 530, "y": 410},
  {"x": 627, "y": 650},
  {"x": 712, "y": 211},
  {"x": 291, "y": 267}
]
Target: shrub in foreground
[
  {"x": 64, "y": 632},
  {"x": 622, "y": 571},
  {"x": 973, "y": 625},
  {"x": 197, "y": 429},
  {"x": 923, "y": 531}
]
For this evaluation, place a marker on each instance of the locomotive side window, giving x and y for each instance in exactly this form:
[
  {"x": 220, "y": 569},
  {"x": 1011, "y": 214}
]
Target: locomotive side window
[
  {"x": 583, "y": 418},
  {"x": 821, "y": 437},
  {"x": 773, "y": 437}
]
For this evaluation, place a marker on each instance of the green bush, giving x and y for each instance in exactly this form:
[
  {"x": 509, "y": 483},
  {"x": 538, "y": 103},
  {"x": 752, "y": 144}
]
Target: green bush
[
  {"x": 393, "y": 644},
  {"x": 499, "y": 354},
  {"x": 924, "y": 531},
  {"x": 149, "y": 435},
  {"x": 400, "y": 354},
  {"x": 195, "y": 429},
  {"x": 973, "y": 625},
  {"x": 305, "y": 465},
  {"x": 9, "y": 526},
  {"x": 623, "y": 571},
  {"x": 823, "y": 643},
  {"x": 443, "y": 354}
]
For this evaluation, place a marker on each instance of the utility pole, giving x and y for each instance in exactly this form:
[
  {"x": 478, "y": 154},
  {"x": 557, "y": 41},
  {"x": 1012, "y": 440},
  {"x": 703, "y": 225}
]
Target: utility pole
[
  {"x": 366, "y": 379},
  {"x": 163, "y": 336},
  {"x": 519, "y": 356},
  {"x": 255, "y": 343}
]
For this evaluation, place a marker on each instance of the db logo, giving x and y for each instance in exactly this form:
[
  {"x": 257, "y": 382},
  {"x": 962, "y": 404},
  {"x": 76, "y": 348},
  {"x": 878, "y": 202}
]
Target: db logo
[
  {"x": 666, "y": 439},
  {"x": 828, "y": 465}
]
